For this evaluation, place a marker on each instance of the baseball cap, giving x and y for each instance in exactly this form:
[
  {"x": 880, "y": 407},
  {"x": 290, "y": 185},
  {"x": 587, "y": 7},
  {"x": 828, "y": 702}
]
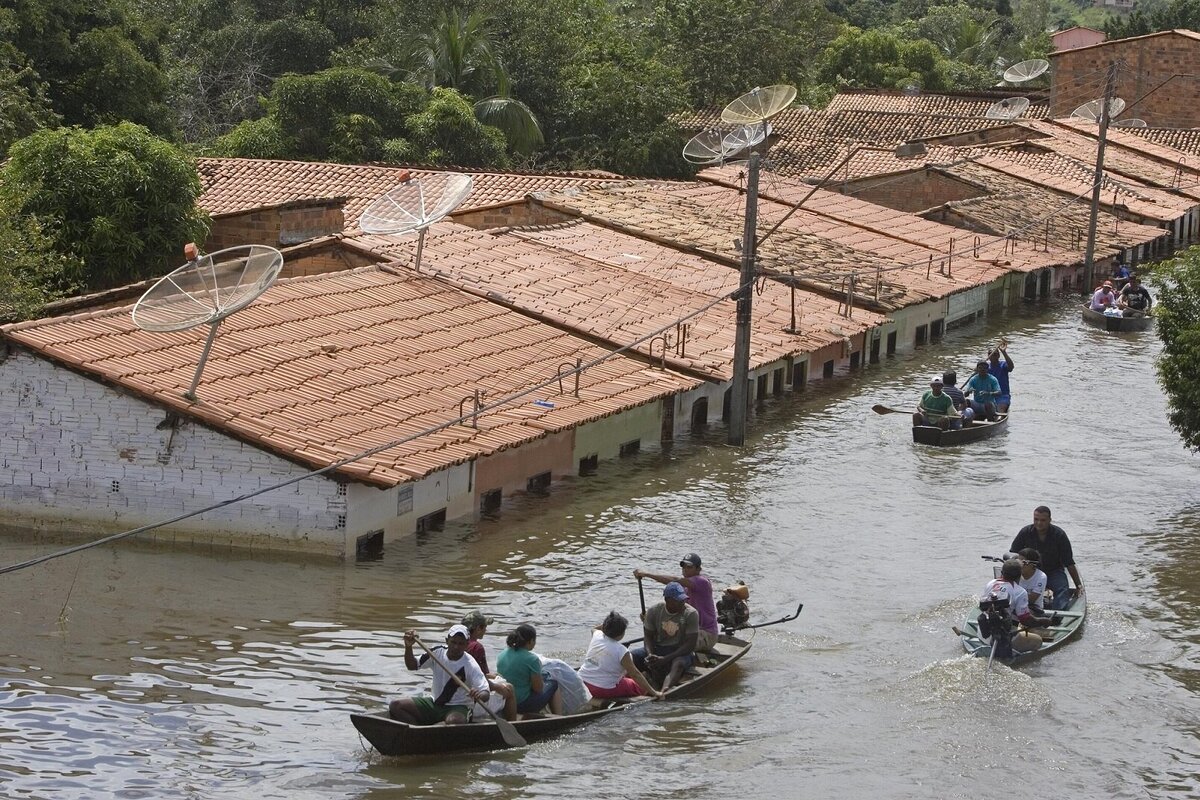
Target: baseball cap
[
  {"x": 458, "y": 630},
  {"x": 1108, "y": 284},
  {"x": 935, "y": 379},
  {"x": 476, "y": 619},
  {"x": 675, "y": 591},
  {"x": 691, "y": 559}
]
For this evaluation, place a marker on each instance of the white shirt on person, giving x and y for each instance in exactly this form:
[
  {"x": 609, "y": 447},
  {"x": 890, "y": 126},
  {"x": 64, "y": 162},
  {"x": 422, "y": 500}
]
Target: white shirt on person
[
  {"x": 465, "y": 667},
  {"x": 602, "y": 664},
  {"x": 1018, "y": 598},
  {"x": 1035, "y": 584}
]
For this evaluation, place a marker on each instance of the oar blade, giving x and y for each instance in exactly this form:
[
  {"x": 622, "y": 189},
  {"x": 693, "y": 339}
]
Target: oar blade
[
  {"x": 882, "y": 409},
  {"x": 508, "y": 731}
]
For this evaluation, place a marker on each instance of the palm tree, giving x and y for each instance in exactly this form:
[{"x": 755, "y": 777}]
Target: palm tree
[{"x": 459, "y": 53}]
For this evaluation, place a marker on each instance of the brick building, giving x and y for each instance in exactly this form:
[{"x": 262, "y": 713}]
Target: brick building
[{"x": 1161, "y": 68}]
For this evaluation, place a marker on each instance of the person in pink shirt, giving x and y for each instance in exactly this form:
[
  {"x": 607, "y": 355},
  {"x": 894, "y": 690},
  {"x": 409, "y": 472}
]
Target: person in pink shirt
[
  {"x": 1104, "y": 297},
  {"x": 700, "y": 597}
]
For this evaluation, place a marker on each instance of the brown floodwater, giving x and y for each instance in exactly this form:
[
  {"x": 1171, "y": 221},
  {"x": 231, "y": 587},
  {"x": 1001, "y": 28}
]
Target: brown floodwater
[{"x": 140, "y": 672}]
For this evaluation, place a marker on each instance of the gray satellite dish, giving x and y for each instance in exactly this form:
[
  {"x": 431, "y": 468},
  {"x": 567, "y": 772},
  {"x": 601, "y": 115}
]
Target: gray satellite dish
[
  {"x": 706, "y": 147},
  {"x": 1008, "y": 108},
  {"x": 1090, "y": 111},
  {"x": 1026, "y": 70},
  {"x": 414, "y": 205},
  {"x": 1132, "y": 122},
  {"x": 206, "y": 290},
  {"x": 759, "y": 104},
  {"x": 745, "y": 137}
]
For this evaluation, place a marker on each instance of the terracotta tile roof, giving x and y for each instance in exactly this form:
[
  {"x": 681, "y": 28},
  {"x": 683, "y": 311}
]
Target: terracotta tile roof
[
  {"x": 1038, "y": 214},
  {"x": 823, "y": 251},
  {"x": 1184, "y": 140},
  {"x": 616, "y": 288},
  {"x": 967, "y": 104},
  {"x": 327, "y": 366},
  {"x": 815, "y": 159},
  {"x": 1072, "y": 178},
  {"x": 232, "y": 185},
  {"x": 911, "y": 228}
]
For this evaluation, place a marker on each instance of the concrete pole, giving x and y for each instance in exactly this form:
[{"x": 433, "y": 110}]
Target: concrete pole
[
  {"x": 738, "y": 398},
  {"x": 1089, "y": 267}
]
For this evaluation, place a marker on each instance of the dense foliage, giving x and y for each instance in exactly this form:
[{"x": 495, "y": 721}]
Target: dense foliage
[
  {"x": 1177, "y": 318},
  {"x": 116, "y": 202}
]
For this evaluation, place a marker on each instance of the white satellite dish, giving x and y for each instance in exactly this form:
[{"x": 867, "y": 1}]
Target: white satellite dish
[
  {"x": 1008, "y": 108},
  {"x": 1026, "y": 70},
  {"x": 744, "y": 137},
  {"x": 706, "y": 147},
  {"x": 1090, "y": 110},
  {"x": 1132, "y": 122},
  {"x": 414, "y": 205},
  {"x": 206, "y": 290},
  {"x": 759, "y": 104}
]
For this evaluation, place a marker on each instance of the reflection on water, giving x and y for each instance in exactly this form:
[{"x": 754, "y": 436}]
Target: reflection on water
[{"x": 211, "y": 675}]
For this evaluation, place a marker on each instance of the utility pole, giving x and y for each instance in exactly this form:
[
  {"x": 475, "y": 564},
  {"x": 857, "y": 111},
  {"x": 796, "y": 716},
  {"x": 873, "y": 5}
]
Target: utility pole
[
  {"x": 739, "y": 392},
  {"x": 1089, "y": 267}
]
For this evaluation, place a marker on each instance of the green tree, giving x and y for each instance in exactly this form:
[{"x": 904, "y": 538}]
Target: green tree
[
  {"x": 447, "y": 132},
  {"x": 1177, "y": 317},
  {"x": 881, "y": 59},
  {"x": 31, "y": 271},
  {"x": 117, "y": 200},
  {"x": 24, "y": 106}
]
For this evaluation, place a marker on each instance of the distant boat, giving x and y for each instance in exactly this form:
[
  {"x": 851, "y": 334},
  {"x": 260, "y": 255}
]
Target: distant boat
[
  {"x": 392, "y": 738},
  {"x": 1116, "y": 324},
  {"x": 969, "y": 432},
  {"x": 1072, "y": 624}
]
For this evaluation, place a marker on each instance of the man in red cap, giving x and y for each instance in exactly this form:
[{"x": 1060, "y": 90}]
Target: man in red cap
[{"x": 1104, "y": 298}]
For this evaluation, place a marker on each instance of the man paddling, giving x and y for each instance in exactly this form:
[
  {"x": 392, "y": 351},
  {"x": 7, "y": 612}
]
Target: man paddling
[
  {"x": 699, "y": 597},
  {"x": 936, "y": 409},
  {"x": 1135, "y": 300},
  {"x": 449, "y": 703},
  {"x": 1056, "y": 560}
]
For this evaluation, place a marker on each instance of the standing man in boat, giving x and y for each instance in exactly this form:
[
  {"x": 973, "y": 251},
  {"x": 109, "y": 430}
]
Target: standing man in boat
[
  {"x": 936, "y": 409},
  {"x": 1135, "y": 299},
  {"x": 449, "y": 703},
  {"x": 999, "y": 369},
  {"x": 671, "y": 629},
  {"x": 1057, "y": 558},
  {"x": 986, "y": 389},
  {"x": 699, "y": 596}
]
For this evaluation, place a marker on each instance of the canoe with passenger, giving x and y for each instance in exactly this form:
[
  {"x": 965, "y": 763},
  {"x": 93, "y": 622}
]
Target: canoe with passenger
[{"x": 1125, "y": 309}]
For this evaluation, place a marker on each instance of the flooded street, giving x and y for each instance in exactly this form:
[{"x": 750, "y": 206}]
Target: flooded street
[{"x": 141, "y": 672}]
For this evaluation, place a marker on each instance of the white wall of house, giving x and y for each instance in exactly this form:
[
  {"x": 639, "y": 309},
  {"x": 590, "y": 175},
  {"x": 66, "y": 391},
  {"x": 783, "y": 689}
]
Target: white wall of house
[
  {"x": 396, "y": 510},
  {"x": 77, "y": 455}
]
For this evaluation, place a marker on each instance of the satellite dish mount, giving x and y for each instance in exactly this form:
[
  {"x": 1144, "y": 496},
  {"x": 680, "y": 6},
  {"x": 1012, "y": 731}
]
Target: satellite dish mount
[
  {"x": 205, "y": 291},
  {"x": 415, "y": 205}
]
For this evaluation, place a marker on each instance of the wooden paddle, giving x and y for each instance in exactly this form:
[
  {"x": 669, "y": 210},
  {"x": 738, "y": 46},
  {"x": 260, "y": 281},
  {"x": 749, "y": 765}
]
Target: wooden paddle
[
  {"x": 878, "y": 409},
  {"x": 511, "y": 737},
  {"x": 642, "y": 597}
]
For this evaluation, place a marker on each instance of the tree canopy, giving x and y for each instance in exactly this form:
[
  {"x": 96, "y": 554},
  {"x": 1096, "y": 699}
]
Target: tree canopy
[{"x": 1177, "y": 318}]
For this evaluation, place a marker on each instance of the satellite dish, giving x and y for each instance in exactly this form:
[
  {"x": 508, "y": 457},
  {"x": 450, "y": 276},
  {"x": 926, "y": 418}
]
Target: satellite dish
[
  {"x": 759, "y": 104},
  {"x": 912, "y": 89},
  {"x": 1090, "y": 110},
  {"x": 1132, "y": 122},
  {"x": 414, "y": 205},
  {"x": 744, "y": 137},
  {"x": 707, "y": 147},
  {"x": 1026, "y": 70},
  {"x": 1008, "y": 108},
  {"x": 206, "y": 290}
]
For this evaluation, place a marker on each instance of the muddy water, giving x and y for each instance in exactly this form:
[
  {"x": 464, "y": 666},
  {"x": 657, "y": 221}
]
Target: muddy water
[{"x": 138, "y": 672}]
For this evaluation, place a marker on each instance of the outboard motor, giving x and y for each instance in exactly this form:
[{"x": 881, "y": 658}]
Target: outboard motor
[{"x": 996, "y": 624}]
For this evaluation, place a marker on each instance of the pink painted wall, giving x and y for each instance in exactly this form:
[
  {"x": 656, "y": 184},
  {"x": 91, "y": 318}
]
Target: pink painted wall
[
  {"x": 1076, "y": 37},
  {"x": 510, "y": 469}
]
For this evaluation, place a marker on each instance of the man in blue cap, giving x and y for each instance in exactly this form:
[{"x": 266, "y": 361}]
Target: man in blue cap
[{"x": 671, "y": 629}]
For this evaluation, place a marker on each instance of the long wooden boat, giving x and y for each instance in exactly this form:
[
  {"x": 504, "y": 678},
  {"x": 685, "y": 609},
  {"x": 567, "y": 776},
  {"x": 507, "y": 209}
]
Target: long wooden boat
[
  {"x": 1073, "y": 619},
  {"x": 969, "y": 432},
  {"x": 392, "y": 738},
  {"x": 1116, "y": 324}
]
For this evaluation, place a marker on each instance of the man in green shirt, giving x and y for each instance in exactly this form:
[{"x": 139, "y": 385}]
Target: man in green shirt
[{"x": 936, "y": 409}]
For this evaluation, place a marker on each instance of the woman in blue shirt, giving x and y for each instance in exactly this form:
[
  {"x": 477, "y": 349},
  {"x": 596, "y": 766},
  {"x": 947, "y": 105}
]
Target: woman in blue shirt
[{"x": 522, "y": 667}]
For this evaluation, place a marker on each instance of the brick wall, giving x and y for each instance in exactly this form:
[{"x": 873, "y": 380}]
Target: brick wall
[
  {"x": 1077, "y": 76},
  {"x": 279, "y": 226},
  {"x": 513, "y": 214},
  {"x": 80, "y": 456},
  {"x": 331, "y": 258},
  {"x": 913, "y": 192}
]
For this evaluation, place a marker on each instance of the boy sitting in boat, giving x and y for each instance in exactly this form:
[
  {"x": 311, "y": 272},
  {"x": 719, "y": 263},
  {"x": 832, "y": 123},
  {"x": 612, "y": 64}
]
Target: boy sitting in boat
[{"x": 450, "y": 703}]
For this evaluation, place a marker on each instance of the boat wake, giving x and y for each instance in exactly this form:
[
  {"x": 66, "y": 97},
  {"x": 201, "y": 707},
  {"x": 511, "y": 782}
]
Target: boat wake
[{"x": 967, "y": 679}]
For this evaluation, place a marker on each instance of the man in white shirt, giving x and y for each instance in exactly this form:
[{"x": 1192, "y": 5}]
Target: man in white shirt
[
  {"x": 1007, "y": 587},
  {"x": 1033, "y": 580},
  {"x": 450, "y": 703}
]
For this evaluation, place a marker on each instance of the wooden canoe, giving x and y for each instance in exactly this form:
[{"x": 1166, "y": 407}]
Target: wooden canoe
[
  {"x": 392, "y": 738},
  {"x": 1116, "y": 324},
  {"x": 971, "y": 432},
  {"x": 1073, "y": 619}
]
